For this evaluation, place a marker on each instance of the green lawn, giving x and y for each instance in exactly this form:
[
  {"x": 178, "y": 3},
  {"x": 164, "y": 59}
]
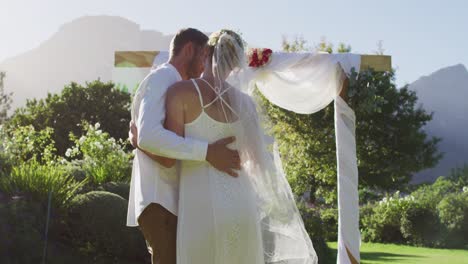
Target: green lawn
[{"x": 390, "y": 253}]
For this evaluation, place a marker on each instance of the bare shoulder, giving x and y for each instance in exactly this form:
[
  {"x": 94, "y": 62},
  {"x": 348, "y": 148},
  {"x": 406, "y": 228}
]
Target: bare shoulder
[{"x": 182, "y": 91}]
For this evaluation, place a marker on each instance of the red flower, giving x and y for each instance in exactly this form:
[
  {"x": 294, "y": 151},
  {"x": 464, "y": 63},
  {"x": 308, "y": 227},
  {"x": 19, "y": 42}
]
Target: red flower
[
  {"x": 267, "y": 51},
  {"x": 254, "y": 60},
  {"x": 255, "y": 56}
]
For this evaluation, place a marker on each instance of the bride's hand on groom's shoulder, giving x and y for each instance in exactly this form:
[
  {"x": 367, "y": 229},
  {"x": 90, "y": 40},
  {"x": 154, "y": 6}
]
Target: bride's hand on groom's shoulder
[{"x": 223, "y": 158}]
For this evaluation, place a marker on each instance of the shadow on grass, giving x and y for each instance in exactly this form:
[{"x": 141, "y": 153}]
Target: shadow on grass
[
  {"x": 387, "y": 257},
  {"x": 378, "y": 256}
]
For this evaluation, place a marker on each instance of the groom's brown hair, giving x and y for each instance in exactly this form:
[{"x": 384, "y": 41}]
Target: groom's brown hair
[{"x": 185, "y": 36}]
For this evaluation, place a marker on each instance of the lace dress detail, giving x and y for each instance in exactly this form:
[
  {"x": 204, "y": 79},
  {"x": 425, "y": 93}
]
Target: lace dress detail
[{"x": 217, "y": 217}]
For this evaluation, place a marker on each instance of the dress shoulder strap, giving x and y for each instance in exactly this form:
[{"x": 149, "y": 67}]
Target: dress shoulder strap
[
  {"x": 199, "y": 94},
  {"x": 219, "y": 95}
]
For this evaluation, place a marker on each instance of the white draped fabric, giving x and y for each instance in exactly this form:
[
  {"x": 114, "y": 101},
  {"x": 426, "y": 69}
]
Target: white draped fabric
[
  {"x": 303, "y": 82},
  {"x": 348, "y": 200},
  {"x": 306, "y": 83}
]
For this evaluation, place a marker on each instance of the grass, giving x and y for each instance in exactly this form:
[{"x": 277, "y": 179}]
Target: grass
[
  {"x": 390, "y": 253},
  {"x": 38, "y": 180}
]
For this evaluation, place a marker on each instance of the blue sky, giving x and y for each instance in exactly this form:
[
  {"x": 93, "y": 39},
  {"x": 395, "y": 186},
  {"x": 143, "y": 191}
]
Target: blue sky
[{"x": 422, "y": 36}]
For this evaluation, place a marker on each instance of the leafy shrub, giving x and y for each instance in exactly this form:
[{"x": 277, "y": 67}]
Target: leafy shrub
[
  {"x": 459, "y": 176},
  {"x": 316, "y": 230},
  {"x": 5, "y": 164},
  {"x": 453, "y": 213},
  {"x": 419, "y": 222},
  {"x": 386, "y": 115},
  {"x": 103, "y": 159},
  {"x": 97, "y": 221},
  {"x": 21, "y": 228},
  {"x": 94, "y": 101},
  {"x": 430, "y": 195},
  {"x": 367, "y": 195},
  {"x": 420, "y": 226},
  {"x": 120, "y": 188},
  {"x": 365, "y": 215},
  {"x": 24, "y": 143},
  {"x": 383, "y": 223},
  {"x": 35, "y": 181},
  {"x": 74, "y": 169},
  {"x": 329, "y": 218}
]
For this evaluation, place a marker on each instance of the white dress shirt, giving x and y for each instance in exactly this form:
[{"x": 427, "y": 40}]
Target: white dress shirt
[{"x": 151, "y": 182}]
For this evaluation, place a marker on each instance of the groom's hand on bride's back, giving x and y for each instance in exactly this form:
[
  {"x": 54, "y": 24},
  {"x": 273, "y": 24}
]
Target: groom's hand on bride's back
[
  {"x": 133, "y": 134},
  {"x": 223, "y": 158},
  {"x": 218, "y": 155}
]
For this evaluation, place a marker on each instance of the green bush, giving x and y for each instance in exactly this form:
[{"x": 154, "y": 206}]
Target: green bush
[
  {"x": 120, "y": 188},
  {"x": 23, "y": 143},
  {"x": 93, "y": 101},
  {"x": 386, "y": 115},
  {"x": 420, "y": 226},
  {"x": 35, "y": 181},
  {"x": 75, "y": 170},
  {"x": 22, "y": 240},
  {"x": 102, "y": 158},
  {"x": 430, "y": 195},
  {"x": 316, "y": 230},
  {"x": 21, "y": 231},
  {"x": 453, "y": 213},
  {"x": 329, "y": 218},
  {"x": 97, "y": 221},
  {"x": 383, "y": 223},
  {"x": 419, "y": 222},
  {"x": 5, "y": 164},
  {"x": 368, "y": 195},
  {"x": 459, "y": 176},
  {"x": 365, "y": 215}
]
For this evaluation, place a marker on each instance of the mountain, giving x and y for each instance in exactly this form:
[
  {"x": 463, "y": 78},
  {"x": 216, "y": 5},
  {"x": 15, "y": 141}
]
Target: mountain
[
  {"x": 81, "y": 50},
  {"x": 445, "y": 93}
]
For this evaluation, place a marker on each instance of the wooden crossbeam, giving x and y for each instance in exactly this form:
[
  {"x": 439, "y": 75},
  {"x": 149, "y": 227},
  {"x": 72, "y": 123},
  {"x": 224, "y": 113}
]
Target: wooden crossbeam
[
  {"x": 144, "y": 59},
  {"x": 376, "y": 62},
  {"x": 134, "y": 59}
]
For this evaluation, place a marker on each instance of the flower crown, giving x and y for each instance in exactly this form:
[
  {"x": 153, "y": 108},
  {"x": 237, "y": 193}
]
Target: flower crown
[
  {"x": 256, "y": 57},
  {"x": 214, "y": 37}
]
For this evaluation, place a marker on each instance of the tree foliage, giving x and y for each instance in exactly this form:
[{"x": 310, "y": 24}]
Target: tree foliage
[
  {"x": 95, "y": 102},
  {"x": 391, "y": 145},
  {"x": 5, "y": 100}
]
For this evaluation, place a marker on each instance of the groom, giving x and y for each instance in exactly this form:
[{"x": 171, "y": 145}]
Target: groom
[{"x": 154, "y": 189}]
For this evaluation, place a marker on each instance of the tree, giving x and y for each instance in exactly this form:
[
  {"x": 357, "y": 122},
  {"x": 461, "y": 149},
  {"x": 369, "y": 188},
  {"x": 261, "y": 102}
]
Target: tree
[
  {"x": 391, "y": 145},
  {"x": 5, "y": 100},
  {"x": 460, "y": 176},
  {"x": 297, "y": 44},
  {"x": 380, "y": 50},
  {"x": 96, "y": 102}
]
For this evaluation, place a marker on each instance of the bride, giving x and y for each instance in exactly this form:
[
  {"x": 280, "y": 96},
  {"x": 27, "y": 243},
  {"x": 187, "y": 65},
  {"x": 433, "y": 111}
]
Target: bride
[{"x": 249, "y": 219}]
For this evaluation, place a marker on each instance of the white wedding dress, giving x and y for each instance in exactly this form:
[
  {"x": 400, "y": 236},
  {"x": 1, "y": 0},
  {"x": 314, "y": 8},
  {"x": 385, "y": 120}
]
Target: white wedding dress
[{"x": 217, "y": 219}]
